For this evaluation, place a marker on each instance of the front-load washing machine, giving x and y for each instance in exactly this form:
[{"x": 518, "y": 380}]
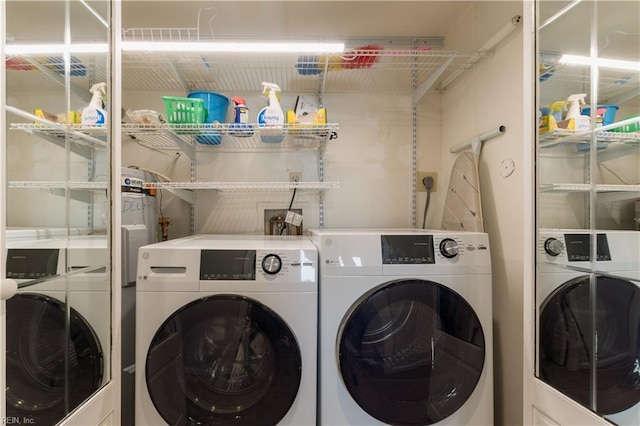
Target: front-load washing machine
[
  {"x": 226, "y": 331},
  {"x": 57, "y": 325},
  {"x": 405, "y": 327},
  {"x": 569, "y": 319}
]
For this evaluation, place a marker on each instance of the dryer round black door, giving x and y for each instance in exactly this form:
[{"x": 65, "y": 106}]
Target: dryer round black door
[
  {"x": 223, "y": 360},
  {"x": 565, "y": 348},
  {"x": 41, "y": 386},
  {"x": 411, "y": 352}
]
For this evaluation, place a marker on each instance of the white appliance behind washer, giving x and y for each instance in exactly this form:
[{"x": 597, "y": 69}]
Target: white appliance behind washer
[
  {"x": 564, "y": 323},
  {"x": 405, "y": 327},
  {"x": 226, "y": 331},
  {"x": 54, "y": 274}
]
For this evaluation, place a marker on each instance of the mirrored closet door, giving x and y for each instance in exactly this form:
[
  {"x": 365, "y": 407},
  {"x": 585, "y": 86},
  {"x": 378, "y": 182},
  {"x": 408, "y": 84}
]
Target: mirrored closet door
[
  {"x": 588, "y": 204},
  {"x": 58, "y": 324}
]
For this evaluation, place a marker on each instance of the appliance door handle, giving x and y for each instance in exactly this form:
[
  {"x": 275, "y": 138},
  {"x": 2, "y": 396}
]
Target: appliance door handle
[{"x": 8, "y": 288}]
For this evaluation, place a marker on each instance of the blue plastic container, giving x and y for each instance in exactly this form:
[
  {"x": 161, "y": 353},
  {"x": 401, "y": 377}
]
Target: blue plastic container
[
  {"x": 217, "y": 106},
  {"x": 605, "y": 114}
]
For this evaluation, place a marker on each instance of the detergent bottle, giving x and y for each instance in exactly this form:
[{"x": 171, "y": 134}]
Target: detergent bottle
[
  {"x": 94, "y": 114},
  {"x": 271, "y": 117},
  {"x": 577, "y": 121}
]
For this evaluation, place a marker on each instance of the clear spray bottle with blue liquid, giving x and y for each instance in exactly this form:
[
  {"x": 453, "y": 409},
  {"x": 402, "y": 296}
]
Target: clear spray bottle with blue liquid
[{"x": 271, "y": 117}]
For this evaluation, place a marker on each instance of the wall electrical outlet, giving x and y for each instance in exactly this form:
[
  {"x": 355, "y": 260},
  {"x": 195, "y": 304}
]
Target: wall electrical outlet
[
  {"x": 295, "y": 176},
  {"x": 420, "y": 186}
]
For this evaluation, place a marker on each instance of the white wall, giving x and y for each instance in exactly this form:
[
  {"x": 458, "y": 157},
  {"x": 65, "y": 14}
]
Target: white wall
[
  {"x": 371, "y": 160},
  {"x": 488, "y": 96}
]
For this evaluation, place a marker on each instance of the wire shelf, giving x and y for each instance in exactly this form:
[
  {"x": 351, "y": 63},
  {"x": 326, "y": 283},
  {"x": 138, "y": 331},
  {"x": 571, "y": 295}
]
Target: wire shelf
[
  {"x": 94, "y": 137},
  {"x": 96, "y": 131},
  {"x": 561, "y": 137},
  {"x": 392, "y": 64},
  {"x": 58, "y": 185},
  {"x": 46, "y": 74},
  {"x": 247, "y": 187},
  {"x": 308, "y": 137},
  {"x": 366, "y": 71},
  {"x": 579, "y": 187},
  {"x": 161, "y": 34}
]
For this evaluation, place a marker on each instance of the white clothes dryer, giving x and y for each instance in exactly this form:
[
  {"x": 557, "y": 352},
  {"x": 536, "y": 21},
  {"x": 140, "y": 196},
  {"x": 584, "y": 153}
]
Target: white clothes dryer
[
  {"x": 405, "y": 327},
  {"x": 58, "y": 279},
  {"x": 567, "y": 312},
  {"x": 227, "y": 331}
]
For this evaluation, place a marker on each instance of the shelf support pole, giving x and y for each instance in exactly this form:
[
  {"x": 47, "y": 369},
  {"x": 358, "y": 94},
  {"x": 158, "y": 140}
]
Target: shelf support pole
[
  {"x": 490, "y": 44},
  {"x": 184, "y": 146},
  {"x": 429, "y": 82}
]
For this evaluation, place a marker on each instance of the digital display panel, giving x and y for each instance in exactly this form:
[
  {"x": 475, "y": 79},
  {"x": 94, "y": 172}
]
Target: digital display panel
[
  {"x": 32, "y": 264},
  {"x": 579, "y": 247},
  {"x": 228, "y": 265},
  {"x": 407, "y": 250}
]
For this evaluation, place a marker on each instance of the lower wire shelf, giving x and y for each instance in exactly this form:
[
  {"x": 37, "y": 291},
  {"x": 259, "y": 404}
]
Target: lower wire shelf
[{"x": 185, "y": 190}]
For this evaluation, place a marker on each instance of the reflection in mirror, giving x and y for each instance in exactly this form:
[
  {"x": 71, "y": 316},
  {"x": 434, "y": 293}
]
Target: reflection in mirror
[
  {"x": 588, "y": 187},
  {"x": 59, "y": 323}
]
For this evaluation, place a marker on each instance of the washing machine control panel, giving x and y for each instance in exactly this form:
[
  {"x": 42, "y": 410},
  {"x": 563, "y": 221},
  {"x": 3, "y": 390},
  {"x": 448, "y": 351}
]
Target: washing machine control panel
[
  {"x": 33, "y": 263},
  {"x": 255, "y": 265},
  {"x": 574, "y": 247},
  {"x": 228, "y": 265}
]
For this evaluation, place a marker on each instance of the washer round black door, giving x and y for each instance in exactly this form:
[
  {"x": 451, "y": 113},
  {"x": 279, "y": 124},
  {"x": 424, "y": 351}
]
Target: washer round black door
[
  {"x": 565, "y": 350},
  {"x": 223, "y": 359},
  {"x": 411, "y": 352},
  {"x": 42, "y": 387}
]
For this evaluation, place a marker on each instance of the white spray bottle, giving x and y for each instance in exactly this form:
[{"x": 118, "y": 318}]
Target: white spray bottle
[
  {"x": 271, "y": 117},
  {"x": 94, "y": 114},
  {"x": 580, "y": 122}
]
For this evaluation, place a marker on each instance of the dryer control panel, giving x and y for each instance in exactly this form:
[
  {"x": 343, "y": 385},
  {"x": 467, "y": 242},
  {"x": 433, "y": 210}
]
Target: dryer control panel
[{"x": 408, "y": 252}]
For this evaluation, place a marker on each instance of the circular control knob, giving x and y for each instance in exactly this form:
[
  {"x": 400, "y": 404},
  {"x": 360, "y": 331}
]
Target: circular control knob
[
  {"x": 449, "y": 248},
  {"x": 271, "y": 264},
  {"x": 553, "y": 246}
]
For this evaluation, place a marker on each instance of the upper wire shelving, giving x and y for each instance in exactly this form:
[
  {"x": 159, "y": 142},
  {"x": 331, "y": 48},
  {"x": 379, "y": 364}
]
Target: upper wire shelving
[{"x": 367, "y": 65}]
